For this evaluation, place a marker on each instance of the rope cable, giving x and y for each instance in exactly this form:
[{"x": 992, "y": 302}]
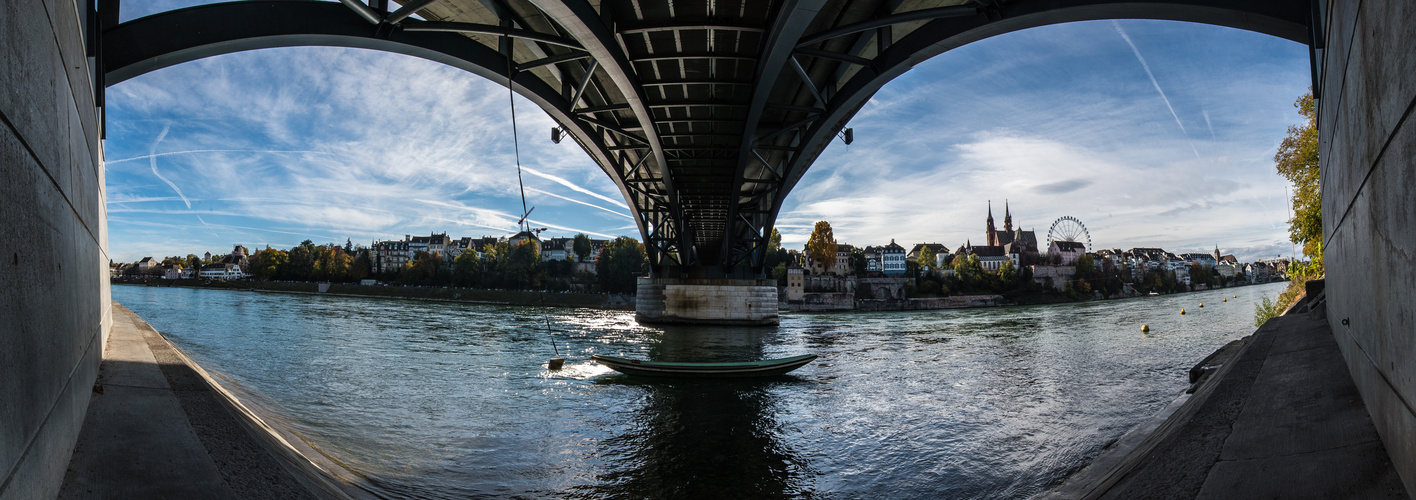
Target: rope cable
[{"x": 524, "y": 224}]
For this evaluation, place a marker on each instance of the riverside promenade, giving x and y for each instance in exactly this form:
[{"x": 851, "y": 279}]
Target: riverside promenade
[
  {"x": 155, "y": 428},
  {"x": 1280, "y": 418}
]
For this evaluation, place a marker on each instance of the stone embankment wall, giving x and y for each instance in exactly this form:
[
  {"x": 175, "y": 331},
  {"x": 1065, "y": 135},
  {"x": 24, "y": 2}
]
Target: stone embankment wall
[
  {"x": 54, "y": 302},
  {"x": 954, "y": 302},
  {"x": 823, "y": 302},
  {"x": 1367, "y": 141}
]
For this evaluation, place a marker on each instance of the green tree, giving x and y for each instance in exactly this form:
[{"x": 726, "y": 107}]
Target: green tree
[
  {"x": 968, "y": 273},
  {"x": 620, "y": 264},
  {"x": 821, "y": 247},
  {"x": 361, "y": 266},
  {"x": 926, "y": 258},
  {"x": 779, "y": 273},
  {"x": 467, "y": 269},
  {"x": 1008, "y": 275},
  {"x": 582, "y": 247},
  {"x": 774, "y": 242}
]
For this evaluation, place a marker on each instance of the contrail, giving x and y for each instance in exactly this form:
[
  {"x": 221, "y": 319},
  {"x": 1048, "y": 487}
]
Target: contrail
[
  {"x": 204, "y": 223},
  {"x": 572, "y": 200},
  {"x": 563, "y": 228},
  {"x": 1207, "y": 123},
  {"x": 1147, "y": 67},
  {"x": 574, "y": 187},
  {"x": 195, "y": 151},
  {"x": 152, "y": 160}
]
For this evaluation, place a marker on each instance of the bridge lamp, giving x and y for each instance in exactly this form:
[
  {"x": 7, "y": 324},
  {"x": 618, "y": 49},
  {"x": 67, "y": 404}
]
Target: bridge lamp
[
  {"x": 848, "y": 135},
  {"x": 556, "y": 133}
]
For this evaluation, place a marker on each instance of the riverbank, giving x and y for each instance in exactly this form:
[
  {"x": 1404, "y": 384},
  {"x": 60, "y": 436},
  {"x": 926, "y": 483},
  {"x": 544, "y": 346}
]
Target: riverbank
[
  {"x": 436, "y": 294},
  {"x": 1274, "y": 416},
  {"x": 197, "y": 440}
]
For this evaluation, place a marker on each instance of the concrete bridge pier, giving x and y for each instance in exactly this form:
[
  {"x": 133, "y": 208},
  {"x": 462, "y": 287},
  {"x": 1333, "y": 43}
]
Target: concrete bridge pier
[{"x": 707, "y": 301}]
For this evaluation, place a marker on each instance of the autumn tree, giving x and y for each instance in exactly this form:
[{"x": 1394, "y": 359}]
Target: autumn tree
[
  {"x": 267, "y": 263},
  {"x": 822, "y": 245},
  {"x": 1297, "y": 161}
]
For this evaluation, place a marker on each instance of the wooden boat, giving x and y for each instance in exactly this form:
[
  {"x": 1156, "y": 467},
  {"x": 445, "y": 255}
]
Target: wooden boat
[{"x": 764, "y": 368}]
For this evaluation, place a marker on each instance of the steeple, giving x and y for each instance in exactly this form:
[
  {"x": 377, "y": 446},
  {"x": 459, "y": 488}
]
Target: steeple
[
  {"x": 992, "y": 234},
  {"x": 1007, "y": 218},
  {"x": 1216, "y": 253}
]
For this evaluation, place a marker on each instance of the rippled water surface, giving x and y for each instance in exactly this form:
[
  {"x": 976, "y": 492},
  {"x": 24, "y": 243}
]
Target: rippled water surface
[{"x": 437, "y": 400}]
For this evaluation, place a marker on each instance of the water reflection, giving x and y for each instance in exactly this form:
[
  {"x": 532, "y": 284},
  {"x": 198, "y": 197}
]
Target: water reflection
[{"x": 702, "y": 439}]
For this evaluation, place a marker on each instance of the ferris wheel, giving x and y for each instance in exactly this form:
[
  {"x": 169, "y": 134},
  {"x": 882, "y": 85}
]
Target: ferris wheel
[{"x": 1068, "y": 228}]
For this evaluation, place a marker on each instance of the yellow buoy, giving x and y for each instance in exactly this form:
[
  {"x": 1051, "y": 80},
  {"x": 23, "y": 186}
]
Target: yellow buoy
[
  {"x": 1202, "y": 304},
  {"x": 1236, "y": 296},
  {"x": 1145, "y": 328},
  {"x": 1226, "y": 300},
  {"x": 1182, "y": 310}
]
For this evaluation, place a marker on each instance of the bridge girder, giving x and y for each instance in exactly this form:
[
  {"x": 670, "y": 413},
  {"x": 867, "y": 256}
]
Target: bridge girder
[{"x": 705, "y": 113}]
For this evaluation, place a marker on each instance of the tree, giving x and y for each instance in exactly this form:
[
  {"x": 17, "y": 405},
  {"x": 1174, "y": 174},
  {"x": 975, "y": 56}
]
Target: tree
[
  {"x": 926, "y": 257},
  {"x": 582, "y": 247},
  {"x": 822, "y": 245},
  {"x": 779, "y": 273},
  {"x": 619, "y": 265},
  {"x": 774, "y": 242},
  {"x": 467, "y": 269},
  {"x": 360, "y": 268},
  {"x": 268, "y": 262},
  {"x": 1297, "y": 161},
  {"x": 1008, "y": 275}
]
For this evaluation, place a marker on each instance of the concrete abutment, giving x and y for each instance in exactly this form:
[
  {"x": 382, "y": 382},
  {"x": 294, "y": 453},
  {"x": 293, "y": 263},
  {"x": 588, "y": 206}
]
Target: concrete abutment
[
  {"x": 54, "y": 306},
  {"x": 707, "y": 301},
  {"x": 1367, "y": 143}
]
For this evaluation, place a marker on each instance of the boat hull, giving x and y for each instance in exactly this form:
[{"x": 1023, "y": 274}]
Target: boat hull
[{"x": 766, "y": 368}]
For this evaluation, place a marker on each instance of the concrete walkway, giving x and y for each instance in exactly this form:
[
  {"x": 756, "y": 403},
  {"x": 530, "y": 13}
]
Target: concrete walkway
[
  {"x": 154, "y": 429},
  {"x": 1281, "y": 419}
]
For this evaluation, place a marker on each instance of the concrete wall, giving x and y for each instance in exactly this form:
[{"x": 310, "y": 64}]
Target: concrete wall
[
  {"x": 53, "y": 254},
  {"x": 707, "y": 301},
  {"x": 1368, "y": 149}
]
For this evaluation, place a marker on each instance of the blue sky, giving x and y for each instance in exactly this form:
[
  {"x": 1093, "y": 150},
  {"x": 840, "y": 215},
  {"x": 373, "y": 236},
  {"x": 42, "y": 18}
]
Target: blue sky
[{"x": 276, "y": 146}]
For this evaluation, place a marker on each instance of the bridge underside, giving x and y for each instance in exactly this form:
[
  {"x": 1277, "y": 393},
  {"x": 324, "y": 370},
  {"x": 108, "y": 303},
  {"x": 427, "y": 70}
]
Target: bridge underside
[
  {"x": 626, "y": 81},
  {"x": 705, "y": 113}
]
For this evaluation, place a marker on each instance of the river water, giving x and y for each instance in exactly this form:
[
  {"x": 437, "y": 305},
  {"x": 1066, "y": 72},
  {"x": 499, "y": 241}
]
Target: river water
[{"x": 440, "y": 400}]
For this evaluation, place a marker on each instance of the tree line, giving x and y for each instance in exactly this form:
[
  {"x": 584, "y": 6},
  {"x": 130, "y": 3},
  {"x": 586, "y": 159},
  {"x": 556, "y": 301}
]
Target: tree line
[{"x": 500, "y": 266}]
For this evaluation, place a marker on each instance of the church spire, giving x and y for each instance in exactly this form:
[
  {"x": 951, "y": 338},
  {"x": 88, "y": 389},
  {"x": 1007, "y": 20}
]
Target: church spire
[
  {"x": 992, "y": 234},
  {"x": 1007, "y": 218}
]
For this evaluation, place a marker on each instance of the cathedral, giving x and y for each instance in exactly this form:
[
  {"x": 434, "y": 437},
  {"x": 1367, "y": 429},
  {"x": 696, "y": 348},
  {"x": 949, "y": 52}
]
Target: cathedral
[{"x": 1016, "y": 244}]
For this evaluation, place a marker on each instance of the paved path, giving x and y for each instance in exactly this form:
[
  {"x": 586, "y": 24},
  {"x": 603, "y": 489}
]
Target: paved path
[
  {"x": 155, "y": 430},
  {"x": 1281, "y": 420}
]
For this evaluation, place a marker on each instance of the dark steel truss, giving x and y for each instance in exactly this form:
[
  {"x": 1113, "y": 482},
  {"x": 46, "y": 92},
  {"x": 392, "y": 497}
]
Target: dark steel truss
[{"x": 705, "y": 113}]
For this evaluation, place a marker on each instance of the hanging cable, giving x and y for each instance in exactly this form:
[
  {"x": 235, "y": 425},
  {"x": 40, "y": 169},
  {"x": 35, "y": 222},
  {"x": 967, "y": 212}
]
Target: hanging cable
[
  {"x": 523, "y": 224},
  {"x": 516, "y": 145}
]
